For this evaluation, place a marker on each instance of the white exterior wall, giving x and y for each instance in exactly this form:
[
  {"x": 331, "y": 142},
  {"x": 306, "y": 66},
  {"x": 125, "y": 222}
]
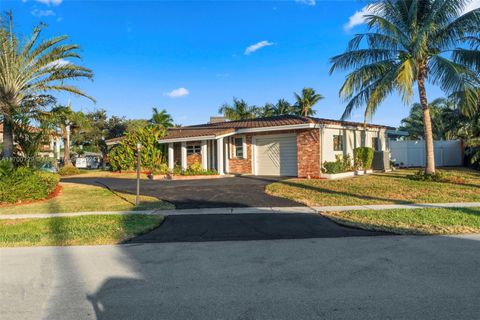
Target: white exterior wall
[{"x": 352, "y": 138}]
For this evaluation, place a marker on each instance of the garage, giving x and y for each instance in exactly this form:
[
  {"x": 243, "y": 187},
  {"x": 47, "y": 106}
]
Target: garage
[{"x": 276, "y": 155}]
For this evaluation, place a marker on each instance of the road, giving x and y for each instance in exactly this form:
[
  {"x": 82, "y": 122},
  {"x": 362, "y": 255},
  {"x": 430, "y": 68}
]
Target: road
[{"x": 382, "y": 277}]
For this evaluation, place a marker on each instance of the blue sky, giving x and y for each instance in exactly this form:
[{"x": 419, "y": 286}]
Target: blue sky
[{"x": 190, "y": 57}]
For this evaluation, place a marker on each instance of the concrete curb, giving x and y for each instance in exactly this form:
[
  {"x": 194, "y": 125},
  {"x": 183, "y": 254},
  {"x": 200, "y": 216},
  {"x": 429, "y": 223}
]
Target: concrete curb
[{"x": 247, "y": 210}]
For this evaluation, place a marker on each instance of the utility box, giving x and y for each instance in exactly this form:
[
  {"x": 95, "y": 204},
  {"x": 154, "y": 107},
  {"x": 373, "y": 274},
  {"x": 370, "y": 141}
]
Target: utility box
[{"x": 381, "y": 160}]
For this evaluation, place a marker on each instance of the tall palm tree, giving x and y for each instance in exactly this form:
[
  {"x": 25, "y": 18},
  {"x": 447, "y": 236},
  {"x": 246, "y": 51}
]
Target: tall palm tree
[
  {"x": 268, "y": 110},
  {"x": 407, "y": 43},
  {"x": 283, "y": 107},
  {"x": 240, "y": 110},
  {"x": 306, "y": 100},
  {"x": 32, "y": 67},
  {"x": 162, "y": 118},
  {"x": 67, "y": 120}
]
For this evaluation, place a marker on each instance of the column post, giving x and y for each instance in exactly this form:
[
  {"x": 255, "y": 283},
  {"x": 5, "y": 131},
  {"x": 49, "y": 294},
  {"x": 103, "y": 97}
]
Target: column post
[
  {"x": 204, "y": 153},
  {"x": 220, "y": 156},
  {"x": 170, "y": 156},
  {"x": 184, "y": 156}
]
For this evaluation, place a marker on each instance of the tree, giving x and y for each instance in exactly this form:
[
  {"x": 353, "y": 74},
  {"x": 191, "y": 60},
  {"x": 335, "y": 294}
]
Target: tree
[
  {"x": 283, "y": 107},
  {"x": 31, "y": 67},
  {"x": 268, "y": 110},
  {"x": 305, "y": 102},
  {"x": 407, "y": 42},
  {"x": 162, "y": 118},
  {"x": 67, "y": 120},
  {"x": 240, "y": 110}
]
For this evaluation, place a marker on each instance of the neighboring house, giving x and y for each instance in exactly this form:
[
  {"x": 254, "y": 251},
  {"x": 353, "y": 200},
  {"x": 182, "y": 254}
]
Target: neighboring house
[
  {"x": 50, "y": 148},
  {"x": 277, "y": 146}
]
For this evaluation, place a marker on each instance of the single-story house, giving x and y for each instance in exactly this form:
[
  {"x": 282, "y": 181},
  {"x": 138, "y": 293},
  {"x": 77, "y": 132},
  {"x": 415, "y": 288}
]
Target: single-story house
[{"x": 278, "y": 146}]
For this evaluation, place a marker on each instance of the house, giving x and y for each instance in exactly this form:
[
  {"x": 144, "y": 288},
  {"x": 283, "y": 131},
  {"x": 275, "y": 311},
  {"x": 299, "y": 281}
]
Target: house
[
  {"x": 277, "y": 146},
  {"x": 50, "y": 147}
]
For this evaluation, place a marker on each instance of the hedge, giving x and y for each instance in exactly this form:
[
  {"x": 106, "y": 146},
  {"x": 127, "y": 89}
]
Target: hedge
[
  {"x": 69, "y": 171},
  {"x": 24, "y": 184},
  {"x": 363, "y": 158}
]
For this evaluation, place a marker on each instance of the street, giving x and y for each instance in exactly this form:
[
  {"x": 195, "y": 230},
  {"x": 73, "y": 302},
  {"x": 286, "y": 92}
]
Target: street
[{"x": 381, "y": 277}]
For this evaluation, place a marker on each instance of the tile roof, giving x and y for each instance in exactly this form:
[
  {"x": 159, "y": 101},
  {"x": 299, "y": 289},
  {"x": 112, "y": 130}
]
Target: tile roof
[{"x": 276, "y": 121}]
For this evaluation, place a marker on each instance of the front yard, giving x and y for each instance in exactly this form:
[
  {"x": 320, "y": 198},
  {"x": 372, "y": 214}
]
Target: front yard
[
  {"x": 80, "y": 230},
  {"x": 76, "y": 197},
  {"x": 463, "y": 185}
]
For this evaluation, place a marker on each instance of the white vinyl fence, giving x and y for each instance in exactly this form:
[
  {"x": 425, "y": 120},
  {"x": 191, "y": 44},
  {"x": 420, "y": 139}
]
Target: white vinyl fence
[{"x": 412, "y": 153}]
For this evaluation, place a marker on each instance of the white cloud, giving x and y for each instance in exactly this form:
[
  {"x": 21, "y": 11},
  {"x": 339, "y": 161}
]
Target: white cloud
[
  {"x": 307, "y": 2},
  {"x": 358, "y": 18},
  {"x": 257, "y": 46},
  {"x": 176, "y": 93},
  {"x": 50, "y": 2},
  {"x": 474, "y": 4},
  {"x": 58, "y": 63},
  {"x": 42, "y": 13}
]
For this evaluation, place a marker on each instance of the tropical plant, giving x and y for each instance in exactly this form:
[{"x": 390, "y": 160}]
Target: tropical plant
[
  {"x": 305, "y": 102},
  {"x": 162, "y": 118},
  {"x": 408, "y": 42},
  {"x": 283, "y": 107},
  {"x": 363, "y": 157},
  {"x": 67, "y": 120},
  {"x": 240, "y": 110},
  {"x": 30, "y": 67},
  {"x": 268, "y": 110},
  {"x": 124, "y": 155}
]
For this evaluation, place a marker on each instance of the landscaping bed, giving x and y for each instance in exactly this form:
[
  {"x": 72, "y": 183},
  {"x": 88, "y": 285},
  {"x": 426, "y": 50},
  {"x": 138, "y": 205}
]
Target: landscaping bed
[
  {"x": 76, "y": 197},
  {"x": 412, "y": 221},
  {"x": 460, "y": 185},
  {"x": 80, "y": 230}
]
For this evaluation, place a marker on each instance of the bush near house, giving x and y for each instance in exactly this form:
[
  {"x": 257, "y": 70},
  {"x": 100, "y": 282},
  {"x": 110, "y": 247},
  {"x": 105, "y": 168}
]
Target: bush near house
[
  {"x": 23, "y": 184},
  {"x": 341, "y": 164},
  {"x": 193, "y": 170},
  {"x": 363, "y": 158},
  {"x": 124, "y": 156},
  {"x": 69, "y": 171}
]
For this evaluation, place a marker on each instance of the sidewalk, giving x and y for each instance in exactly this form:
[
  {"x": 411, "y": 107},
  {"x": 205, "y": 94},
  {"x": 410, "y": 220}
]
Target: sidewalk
[{"x": 247, "y": 210}]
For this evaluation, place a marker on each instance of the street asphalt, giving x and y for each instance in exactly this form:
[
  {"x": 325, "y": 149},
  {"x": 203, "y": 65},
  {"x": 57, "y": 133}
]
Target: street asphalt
[{"x": 383, "y": 277}]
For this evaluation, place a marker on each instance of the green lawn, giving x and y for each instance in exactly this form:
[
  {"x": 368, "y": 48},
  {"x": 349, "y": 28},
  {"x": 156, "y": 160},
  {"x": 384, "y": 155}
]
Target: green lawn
[
  {"x": 81, "y": 230},
  {"x": 381, "y": 188},
  {"x": 414, "y": 221},
  {"x": 97, "y": 173},
  {"x": 81, "y": 198}
]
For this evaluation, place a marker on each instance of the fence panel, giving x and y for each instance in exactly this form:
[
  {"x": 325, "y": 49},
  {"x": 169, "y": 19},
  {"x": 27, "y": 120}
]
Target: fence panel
[{"x": 411, "y": 153}]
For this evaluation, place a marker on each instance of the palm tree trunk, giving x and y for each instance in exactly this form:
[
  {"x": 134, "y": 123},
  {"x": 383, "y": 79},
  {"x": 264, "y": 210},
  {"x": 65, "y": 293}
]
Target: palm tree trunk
[
  {"x": 66, "y": 147},
  {"x": 427, "y": 124},
  {"x": 7, "y": 137}
]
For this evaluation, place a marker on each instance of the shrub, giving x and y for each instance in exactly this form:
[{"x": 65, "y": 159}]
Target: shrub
[
  {"x": 363, "y": 158},
  {"x": 193, "y": 170},
  {"x": 341, "y": 164},
  {"x": 69, "y": 171},
  {"x": 161, "y": 169},
  {"x": 24, "y": 184},
  {"x": 124, "y": 155},
  {"x": 420, "y": 175}
]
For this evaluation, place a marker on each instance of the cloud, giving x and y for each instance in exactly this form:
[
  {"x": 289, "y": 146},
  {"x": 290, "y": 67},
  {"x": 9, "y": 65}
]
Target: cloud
[
  {"x": 50, "y": 2},
  {"x": 42, "y": 13},
  {"x": 58, "y": 63},
  {"x": 257, "y": 46},
  {"x": 177, "y": 93},
  {"x": 307, "y": 2},
  {"x": 358, "y": 18}
]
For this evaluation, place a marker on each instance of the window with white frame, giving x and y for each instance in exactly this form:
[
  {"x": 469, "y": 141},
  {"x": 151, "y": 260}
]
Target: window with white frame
[
  {"x": 239, "y": 151},
  {"x": 338, "y": 142},
  {"x": 194, "y": 148}
]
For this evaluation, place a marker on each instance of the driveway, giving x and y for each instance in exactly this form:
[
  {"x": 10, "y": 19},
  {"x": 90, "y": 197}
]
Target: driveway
[
  {"x": 242, "y": 191},
  {"x": 375, "y": 278}
]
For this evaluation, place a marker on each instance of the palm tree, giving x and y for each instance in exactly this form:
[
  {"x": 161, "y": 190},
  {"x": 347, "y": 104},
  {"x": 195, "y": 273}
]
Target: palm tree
[
  {"x": 283, "y": 107},
  {"x": 306, "y": 101},
  {"x": 407, "y": 42},
  {"x": 268, "y": 110},
  {"x": 67, "y": 120},
  {"x": 31, "y": 67},
  {"x": 240, "y": 110},
  {"x": 162, "y": 118}
]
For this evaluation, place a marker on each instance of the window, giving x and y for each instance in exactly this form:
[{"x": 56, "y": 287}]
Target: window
[
  {"x": 238, "y": 142},
  {"x": 192, "y": 149},
  {"x": 337, "y": 143},
  {"x": 375, "y": 144}
]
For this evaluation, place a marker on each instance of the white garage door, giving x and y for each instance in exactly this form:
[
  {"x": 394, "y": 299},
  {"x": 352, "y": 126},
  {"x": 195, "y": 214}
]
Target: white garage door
[{"x": 276, "y": 156}]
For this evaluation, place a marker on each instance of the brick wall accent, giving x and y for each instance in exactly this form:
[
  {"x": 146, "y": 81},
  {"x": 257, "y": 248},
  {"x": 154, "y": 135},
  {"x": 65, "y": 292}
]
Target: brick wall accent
[
  {"x": 241, "y": 166},
  {"x": 308, "y": 153},
  {"x": 191, "y": 158}
]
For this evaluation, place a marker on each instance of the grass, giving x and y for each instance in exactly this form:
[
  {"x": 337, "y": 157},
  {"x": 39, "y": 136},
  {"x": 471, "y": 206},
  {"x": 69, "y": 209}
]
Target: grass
[
  {"x": 413, "y": 221},
  {"x": 463, "y": 185},
  {"x": 97, "y": 173},
  {"x": 81, "y": 230},
  {"x": 81, "y": 198}
]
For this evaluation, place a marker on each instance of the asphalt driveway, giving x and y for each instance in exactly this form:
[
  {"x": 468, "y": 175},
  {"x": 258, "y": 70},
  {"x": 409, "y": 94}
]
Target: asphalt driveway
[{"x": 242, "y": 191}]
